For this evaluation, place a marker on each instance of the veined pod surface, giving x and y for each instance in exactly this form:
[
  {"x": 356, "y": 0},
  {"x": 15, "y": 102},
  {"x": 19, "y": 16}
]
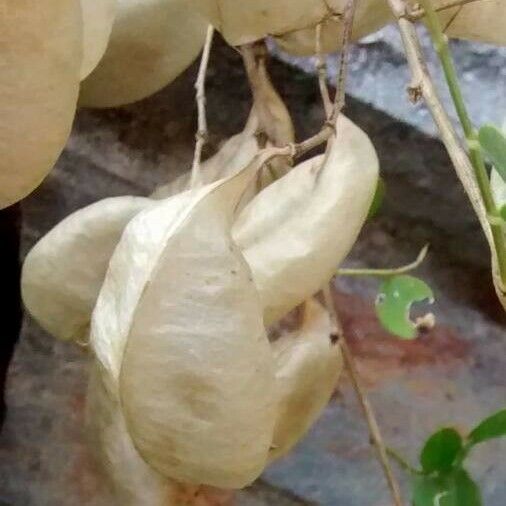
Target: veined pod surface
[
  {"x": 370, "y": 16},
  {"x": 98, "y": 17},
  {"x": 40, "y": 58},
  {"x": 130, "y": 479},
  {"x": 179, "y": 326},
  {"x": 64, "y": 271},
  {"x": 308, "y": 366},
  {"x": 482, "y": 21},
  {"x": 295, "y": 232},
  {"x": 151, "y": 43}
]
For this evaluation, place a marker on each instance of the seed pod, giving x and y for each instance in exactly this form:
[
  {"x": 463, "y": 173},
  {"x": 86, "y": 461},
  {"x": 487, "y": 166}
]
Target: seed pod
[
  {"x": 179, "y": 327},
  {"x": 308, "y": 366},
  {"x": 150, "y": 45},
  {"x": 131, "y": 480},
  {"x": 296, "y": 232},
  {"x": 370, "y": 16},
  {"x": 498, "y": 187},
  {"x": 483, "y": 21},
  {"x": 98, "y": 17},
  {"x": 40, "y": 55},
  {"x": 250, "y": 20},
  {"x": 64, "y": 271}
]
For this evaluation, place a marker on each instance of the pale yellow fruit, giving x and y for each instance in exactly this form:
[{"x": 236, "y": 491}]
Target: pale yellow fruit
[
  {"x": 64, "y": 271},
  {"x": 308, "y": 366},
  {"x": 178, "y": 325},
  {"x": 151, "y": 43},
  {"x": 296, "y": 232},
  {"x": 98, "y": 17},
  {"x": 40, "y": 58},
  {"x": 370, "y": 16},
  {"x": 130, "y": 479},
  {"x": 483, "y": 21}
]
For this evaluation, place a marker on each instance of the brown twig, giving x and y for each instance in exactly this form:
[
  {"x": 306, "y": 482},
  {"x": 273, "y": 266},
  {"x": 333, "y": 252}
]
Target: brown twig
[
  {"x": 201, "y": 136},
  {"x": 414, "y": 14},
  {"x": 370, "y": 417},
  {"x": 321, "y": 68}
]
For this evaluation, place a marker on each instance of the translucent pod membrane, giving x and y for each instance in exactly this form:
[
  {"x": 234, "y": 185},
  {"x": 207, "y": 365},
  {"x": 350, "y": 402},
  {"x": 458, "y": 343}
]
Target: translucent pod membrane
[
  {"x": 483, "y": 21},
  {"x": 151, "y": 43},
  {"x": 178, "y": 328},
  {"x": 370, "y": 16},
  {"x": 98, "y": 17},
  {"x": 296, "y": 232},
  {"x": 64, "y": 271},
  {"x": 40, "y": 55},
  {"x": 308, "y": 366}
]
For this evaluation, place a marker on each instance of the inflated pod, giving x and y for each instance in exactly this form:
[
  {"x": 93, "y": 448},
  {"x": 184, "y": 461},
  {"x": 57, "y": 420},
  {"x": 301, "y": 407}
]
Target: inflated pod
[
  {"x": 250, "y": 20},
  {"x": 178, "y": 329},
  {"x": 308, "y": 366},
  {"x": 40, "y": 58},
  {"x": 151, "y": 43},
  {"x": 370, "y": 16},
  {"x": 296, "y": 232},
  {"x": 64, "y": 271},
  {"x": 483, "y": 21},
  {"x": 98, "y": 17},
  {"x": 131, "y": 481}
]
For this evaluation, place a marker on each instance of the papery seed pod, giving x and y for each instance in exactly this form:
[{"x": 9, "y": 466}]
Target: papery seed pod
[
  {"x": 245, "y": 21},
  {"x": 296, "y": 232},
  {"x": 308, "y": 366},
  {"x": 130, "y": 479},
  {"x": 64, "y": 271},
  {"x": 482, "y": 21},
  {"x": 40, "y": 58},
  {"x": 370, "y": 16},
  {"x": 179, "y": 327},
  {"x": 98, "y": 17},
  {"x": 151, "y": 43}
]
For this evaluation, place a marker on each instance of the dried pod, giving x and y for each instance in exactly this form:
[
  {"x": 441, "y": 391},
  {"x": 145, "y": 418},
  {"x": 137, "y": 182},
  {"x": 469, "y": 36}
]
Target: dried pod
[
  {"x": 130, "y": 479},
  {"x": 98, "y": 17},
  {"x": 308, "y": 366},
  {"x": 40, "y": 54},
  {"x": 245, "y": 21},
  {"x": 150, "y": 45},
  {"x": 370, "y": 16},
  {"x": 64, "y": 271},
  {"x": 296, "y": 232},
  {"x": 178, "y": 326},
  {"x": 483, "y": 21}
]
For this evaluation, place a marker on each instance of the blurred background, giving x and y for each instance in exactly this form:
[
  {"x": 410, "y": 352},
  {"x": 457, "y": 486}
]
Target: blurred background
[{"x": 453, "y": 375}]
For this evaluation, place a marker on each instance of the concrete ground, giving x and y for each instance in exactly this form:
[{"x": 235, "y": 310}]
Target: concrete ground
[{"x": 453, "y": 375}]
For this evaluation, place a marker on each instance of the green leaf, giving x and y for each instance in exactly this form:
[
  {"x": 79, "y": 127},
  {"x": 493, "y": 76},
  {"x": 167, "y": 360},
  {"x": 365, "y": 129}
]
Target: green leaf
[
  {"x": 440, "y": 451},
  {"x": 456, "y": 489},
  {"x": 377, "y": 201},
  {"x": 492, "y": 427},
  {"x": 502, "y": 212},
  {"x": 493, "y": 143},
  {"x": 394, "y": 301}
]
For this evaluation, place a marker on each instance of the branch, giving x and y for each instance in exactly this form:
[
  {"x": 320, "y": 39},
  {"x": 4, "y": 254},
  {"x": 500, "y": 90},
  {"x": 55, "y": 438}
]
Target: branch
[
  {"x": 414, "y": 14},
  {"x": 321, "y": 68},
  {"x": 422, "y": 86},
  {"x": 387, "y": 272},
  {"x": 370, "y": 417},
  {"x": 201, "y": 136}
]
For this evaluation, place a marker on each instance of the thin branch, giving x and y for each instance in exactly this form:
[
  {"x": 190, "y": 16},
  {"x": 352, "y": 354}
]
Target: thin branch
[
  {"x": 370, "y": 417},
  {"x": 402, "y": 462},
  {"x": 321, "y": 68},
  {"x": 387, "y": 272},
  {"x": 417, "y": 13},
  {"x": 422, "y": 86},
  {"x": 201, "y": 136}
]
